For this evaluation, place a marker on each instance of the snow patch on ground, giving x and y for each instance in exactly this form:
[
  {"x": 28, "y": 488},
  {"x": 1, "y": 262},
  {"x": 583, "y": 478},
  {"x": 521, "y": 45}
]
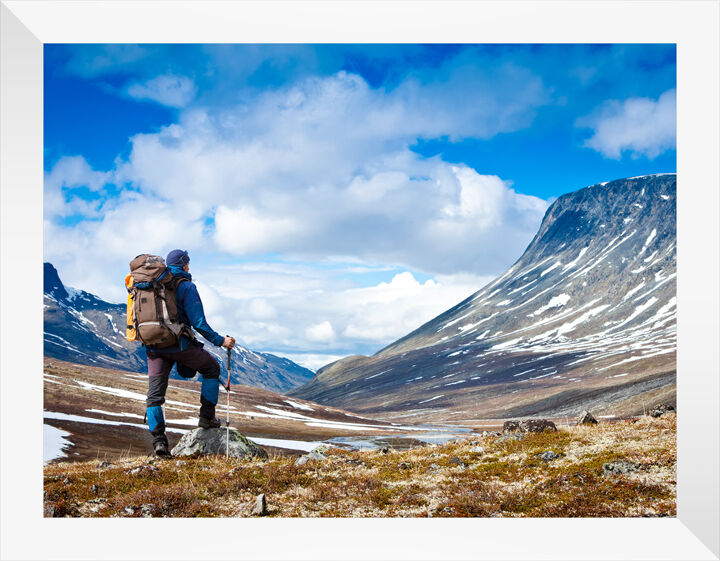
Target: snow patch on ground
[
  {"x": 432, "y": 399},
  {"x": 555, "y": 302},
  {"x": 282, "y": 413},
  {"x": 634, "y": 290},
  {"x": 572, "y": 263},
  {"x": 80, "y": 419},
  {"x": 127, "y": 394},
  {"x": 54, "y": 443},
  {"x": 112, "y": 323},
  {"x": 555, "y": 266},
  {"x": 506, "y": 344},
  {"x": 647, "y": 242},
  {"x": 123, "y": 414},
  {"x": 303, "y": 445},
  {"x": 299, "y": 405}
]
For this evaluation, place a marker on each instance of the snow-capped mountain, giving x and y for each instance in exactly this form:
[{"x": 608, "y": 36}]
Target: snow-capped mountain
[
  {"x": 585, "y": 318},
  {"x": 82, "y": 328}
]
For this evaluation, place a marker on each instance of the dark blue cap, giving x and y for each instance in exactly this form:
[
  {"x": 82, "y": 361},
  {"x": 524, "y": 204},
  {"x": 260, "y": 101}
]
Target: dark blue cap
[{"x": 178, "y": 257}]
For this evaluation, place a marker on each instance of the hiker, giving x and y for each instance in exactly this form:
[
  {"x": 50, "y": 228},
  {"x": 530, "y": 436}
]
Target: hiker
[{"x": 188, "y": 354}]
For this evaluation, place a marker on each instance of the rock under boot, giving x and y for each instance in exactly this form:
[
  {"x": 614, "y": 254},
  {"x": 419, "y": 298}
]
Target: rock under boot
[{"x": 207, "y": 423}]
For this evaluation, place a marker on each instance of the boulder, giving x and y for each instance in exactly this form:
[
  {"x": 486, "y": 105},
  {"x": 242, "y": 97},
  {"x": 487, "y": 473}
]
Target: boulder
[
  {"x": 549, "y": 456},
  {"x": 660, "y": 410},
  {"x": 538, "y": 425},
  {"x": 529, "y": 425},
  {"x": 201, "y": 441},
  {"x": 260, "y": 506},
  {"x": 317, "y": 453},
  {"x": 586, "y": 418},
  {"x": 512, "y": 426},
  {"x": 619, "y": 467}
]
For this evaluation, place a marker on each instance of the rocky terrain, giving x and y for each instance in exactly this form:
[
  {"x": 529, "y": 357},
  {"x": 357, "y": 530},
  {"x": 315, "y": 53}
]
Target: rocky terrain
[
  {"x": 586, "y": 318},
  {"x": 82, "y": 328},
  {"x": 626, "y": 468}
]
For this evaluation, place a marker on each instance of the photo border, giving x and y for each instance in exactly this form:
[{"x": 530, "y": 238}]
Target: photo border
[{"x": 693, "y": 26}]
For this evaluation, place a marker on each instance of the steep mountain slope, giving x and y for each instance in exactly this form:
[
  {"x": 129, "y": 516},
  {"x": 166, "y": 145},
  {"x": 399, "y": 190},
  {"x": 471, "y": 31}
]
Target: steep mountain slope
[
  {"x": 585, "y": 318},
  {"x": 82, "y": 328}
]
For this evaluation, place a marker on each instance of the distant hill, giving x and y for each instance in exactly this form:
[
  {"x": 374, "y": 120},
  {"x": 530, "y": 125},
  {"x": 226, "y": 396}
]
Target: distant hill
[
  {"x": 82, "y": 328},
  {"x": 585, "y": 318}
]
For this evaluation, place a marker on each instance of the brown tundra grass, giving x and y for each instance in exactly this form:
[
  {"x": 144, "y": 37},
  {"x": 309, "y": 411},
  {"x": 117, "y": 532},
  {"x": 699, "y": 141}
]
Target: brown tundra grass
[{"x": 505, "y": 479}]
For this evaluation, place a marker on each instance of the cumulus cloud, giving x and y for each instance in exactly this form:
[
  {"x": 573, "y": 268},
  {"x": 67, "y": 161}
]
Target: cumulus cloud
[
  {"x": 94, "y": 255},
  {"x": 313, "y": 313},
  {"x": 313, "y": 361},
  {"x": 167, "y": 89},
  {"x": 638, "y": 125},
  {"x": 320, "y": 171},
  {"x": 245, "y": 230},
  {"x": 62, "y": 185},
  {"x": 324, "y": 168},
  {"x": 322, "y": 332}
]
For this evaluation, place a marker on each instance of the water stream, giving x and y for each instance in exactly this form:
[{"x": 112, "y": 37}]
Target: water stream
[{"x": 434, "y": 435}]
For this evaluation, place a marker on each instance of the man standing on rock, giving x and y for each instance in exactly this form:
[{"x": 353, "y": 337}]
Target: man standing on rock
[{"x": 188, "y": 354}]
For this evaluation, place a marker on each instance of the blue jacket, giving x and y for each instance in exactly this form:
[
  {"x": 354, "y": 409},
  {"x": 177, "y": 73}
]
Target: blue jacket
[{"x": 191, "y": 312}]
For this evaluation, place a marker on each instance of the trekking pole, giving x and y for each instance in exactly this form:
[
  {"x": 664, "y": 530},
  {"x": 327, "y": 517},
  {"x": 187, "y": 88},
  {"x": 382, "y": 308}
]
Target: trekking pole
[{"x": 227, "y": 411}]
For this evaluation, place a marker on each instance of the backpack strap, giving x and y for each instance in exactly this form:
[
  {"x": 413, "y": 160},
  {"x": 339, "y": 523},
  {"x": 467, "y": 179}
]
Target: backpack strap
[{"x": 186, "y": 329}]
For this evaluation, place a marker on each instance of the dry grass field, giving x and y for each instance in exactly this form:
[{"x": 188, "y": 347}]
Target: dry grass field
[{"x": 479, "y": 476}]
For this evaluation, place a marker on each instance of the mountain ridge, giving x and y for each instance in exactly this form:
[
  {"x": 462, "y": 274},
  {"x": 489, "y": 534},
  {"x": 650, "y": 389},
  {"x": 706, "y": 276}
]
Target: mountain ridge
[
  {"x": 597, "y": 281},
  {"x": 79, "y": 327}
]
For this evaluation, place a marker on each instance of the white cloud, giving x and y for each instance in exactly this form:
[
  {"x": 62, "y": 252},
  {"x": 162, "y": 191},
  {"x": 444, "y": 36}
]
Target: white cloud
[
  {"x": 639, "y": 125},
  {"x": 61, "y": 183},
  {"x": 244, "y": 230},
  {"x": 95, "y": 255},
  {"x": 320, "y": 332},
  {"x": 324, "y": 169},
  {"x": 313, "y": 361},
  {"x": 320, "y": 172},
  {"x": 167, "y": 89},
  {"x": 313, "y": 313}
]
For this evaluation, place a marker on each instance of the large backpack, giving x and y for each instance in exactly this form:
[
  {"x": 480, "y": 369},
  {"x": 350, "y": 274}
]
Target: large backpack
[{"x": 152, "y": 313}]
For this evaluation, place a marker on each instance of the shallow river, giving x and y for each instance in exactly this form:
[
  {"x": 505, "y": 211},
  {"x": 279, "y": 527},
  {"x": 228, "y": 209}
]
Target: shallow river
[{"x": 434, "y": 435}]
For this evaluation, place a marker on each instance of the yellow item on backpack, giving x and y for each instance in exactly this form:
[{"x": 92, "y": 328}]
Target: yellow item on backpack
[{"x": 130, "y": 332}]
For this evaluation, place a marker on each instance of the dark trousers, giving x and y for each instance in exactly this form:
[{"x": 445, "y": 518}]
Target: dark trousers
[{"x": 194, "y": 358}]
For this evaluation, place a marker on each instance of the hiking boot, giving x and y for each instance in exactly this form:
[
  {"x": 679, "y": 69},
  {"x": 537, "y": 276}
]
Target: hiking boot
[
  {"x": 206, "y": 423},
  {"x": 161, "y": 449}
]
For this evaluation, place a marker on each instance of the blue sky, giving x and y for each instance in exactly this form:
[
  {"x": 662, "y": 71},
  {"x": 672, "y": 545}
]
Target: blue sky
[{"x": 334, "y": 197}]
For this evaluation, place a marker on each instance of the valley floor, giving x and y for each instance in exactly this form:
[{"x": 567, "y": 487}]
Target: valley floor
[{"x": 621, "y": 469}]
